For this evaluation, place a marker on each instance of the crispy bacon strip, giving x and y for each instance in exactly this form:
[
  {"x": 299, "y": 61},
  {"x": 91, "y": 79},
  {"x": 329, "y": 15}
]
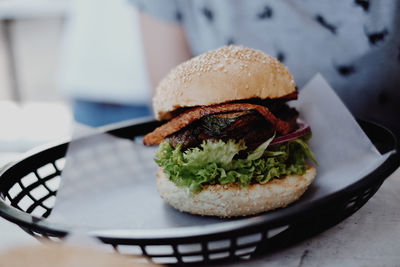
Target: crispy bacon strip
[{"x": 194, "y": 114}]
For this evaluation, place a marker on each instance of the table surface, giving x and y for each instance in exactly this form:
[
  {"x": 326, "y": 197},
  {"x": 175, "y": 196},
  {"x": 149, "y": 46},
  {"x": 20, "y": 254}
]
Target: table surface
[{"x": 370, "y": 237}]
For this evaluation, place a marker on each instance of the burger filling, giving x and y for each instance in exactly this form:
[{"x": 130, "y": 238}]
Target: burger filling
[
  {"x": 247, "y": 125},
  {"x": 231, "y": 144}
]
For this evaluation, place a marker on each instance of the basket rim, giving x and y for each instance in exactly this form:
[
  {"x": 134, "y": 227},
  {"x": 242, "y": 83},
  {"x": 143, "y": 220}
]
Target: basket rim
[{"x": 251, "y": 224}]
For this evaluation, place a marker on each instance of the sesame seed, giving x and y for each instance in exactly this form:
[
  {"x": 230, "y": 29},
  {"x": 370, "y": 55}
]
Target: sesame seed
[{"x": 219, "y": 60}]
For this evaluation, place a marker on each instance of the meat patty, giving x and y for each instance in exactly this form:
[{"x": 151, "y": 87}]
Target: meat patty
[
  {"x": 249, "y": 126},
  {"x": 193, "y": 115}
]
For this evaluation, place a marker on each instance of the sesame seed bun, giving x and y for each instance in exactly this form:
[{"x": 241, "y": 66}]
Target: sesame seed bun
[
  {"x": 226, "y": 74},
  {"x": 232, "y": 200}
]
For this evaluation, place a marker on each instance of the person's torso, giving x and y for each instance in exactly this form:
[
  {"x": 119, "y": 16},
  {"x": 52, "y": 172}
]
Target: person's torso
[{"x": 355, "y": 45}]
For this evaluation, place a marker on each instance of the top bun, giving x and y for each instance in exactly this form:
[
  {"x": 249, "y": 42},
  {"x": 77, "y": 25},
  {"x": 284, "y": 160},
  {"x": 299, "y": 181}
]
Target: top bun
[{"x": 226, "y": 74}]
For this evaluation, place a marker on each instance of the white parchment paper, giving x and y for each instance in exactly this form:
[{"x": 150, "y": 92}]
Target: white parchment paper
[
  {"x": 343, "y": 150},
  {"x": 110, "y": 183}
]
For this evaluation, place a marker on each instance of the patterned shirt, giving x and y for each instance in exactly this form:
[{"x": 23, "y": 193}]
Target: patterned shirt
[{"x": 354, "y": 44}]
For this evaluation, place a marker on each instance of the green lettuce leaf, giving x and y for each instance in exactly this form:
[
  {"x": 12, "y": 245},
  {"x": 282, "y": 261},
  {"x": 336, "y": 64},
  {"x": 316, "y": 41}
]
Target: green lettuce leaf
[
  {"x": 259, "y": 151},
  {"x": 217, "y": 162}
]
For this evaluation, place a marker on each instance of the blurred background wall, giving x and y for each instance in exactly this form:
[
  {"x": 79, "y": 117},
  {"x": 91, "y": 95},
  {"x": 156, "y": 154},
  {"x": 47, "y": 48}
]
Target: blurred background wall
[
  {"x": 38, "y": 70},
  {"x": 30, "y": 42}
]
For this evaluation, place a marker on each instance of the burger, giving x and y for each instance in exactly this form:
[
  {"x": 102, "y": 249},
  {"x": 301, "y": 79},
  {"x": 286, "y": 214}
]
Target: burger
[{"x": 230, "y": 144}]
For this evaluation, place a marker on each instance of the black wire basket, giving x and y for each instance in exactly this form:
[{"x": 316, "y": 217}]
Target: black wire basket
[{"x": 240, "y": 239}]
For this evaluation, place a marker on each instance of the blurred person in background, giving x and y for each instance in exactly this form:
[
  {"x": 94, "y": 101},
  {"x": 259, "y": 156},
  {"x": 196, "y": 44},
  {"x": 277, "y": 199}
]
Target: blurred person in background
[
  {"x": 354, "y": 44},
  {"x": 102, "y": 64}
]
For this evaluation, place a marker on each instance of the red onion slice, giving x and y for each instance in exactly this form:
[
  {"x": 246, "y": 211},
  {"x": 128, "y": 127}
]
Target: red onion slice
[{"x": 303, "y": 129}]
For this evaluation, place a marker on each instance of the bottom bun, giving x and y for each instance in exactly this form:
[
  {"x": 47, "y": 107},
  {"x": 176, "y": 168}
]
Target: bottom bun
[{"x": 233, "y": 200}]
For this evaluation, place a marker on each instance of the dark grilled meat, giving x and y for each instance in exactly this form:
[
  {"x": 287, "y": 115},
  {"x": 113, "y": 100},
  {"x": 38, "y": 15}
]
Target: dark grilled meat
[
  {"x": 195, "y": 114},
  {"x": 286, "y": 113},
  {"x": 239, "y": 124},
  {"x": 247, "y": 125}
]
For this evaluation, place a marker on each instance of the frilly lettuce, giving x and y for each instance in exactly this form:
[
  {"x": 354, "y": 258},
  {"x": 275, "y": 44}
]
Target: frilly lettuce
[{"x": 216, "y": 162}]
